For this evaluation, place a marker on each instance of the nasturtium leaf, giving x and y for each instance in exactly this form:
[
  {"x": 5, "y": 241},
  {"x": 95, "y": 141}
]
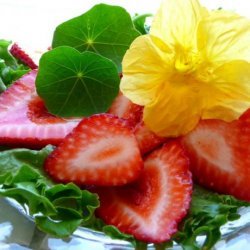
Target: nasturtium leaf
[
  {"x": 140, "y": 23},
  {"x": 74, "y": 84},
  {"x": 104, "y": 29}
]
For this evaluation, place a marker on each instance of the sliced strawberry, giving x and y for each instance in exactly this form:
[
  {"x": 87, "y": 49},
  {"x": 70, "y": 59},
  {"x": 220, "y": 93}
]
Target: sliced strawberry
[
  {"x": 102, "y": 150},
  {"x": 24, "y": 120},
  {"x": 19, "y": 54},
  {"x": 147, "y": 140},
  {"x": 124, "y": 108},
  {"x": 151, "y": 208},
  {"x": 220, "y": 155}
]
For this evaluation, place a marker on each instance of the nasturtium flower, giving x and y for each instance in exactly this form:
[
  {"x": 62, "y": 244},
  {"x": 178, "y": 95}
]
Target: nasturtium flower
[{"x": 194, "y": 64}]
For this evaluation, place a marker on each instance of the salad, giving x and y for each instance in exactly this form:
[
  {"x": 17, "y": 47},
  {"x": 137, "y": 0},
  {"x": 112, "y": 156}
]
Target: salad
[{"x": 135, "y": 131}]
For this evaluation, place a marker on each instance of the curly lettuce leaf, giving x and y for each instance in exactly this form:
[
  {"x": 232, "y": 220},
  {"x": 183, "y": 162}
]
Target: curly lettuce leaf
[
  {"x": 57, "y": 209},
  {"x": 12, "y": 160},
  {"x": 208, "y": 212}
]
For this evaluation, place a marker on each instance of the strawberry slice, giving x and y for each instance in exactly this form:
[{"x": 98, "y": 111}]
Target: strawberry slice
[
  {"x": 24, "y": 120},
  {"x": 124, "y": 108},
  {"x": 102, "y": 150},
  {"x": 19, "y": 54},
  {"x": 147, "y": 140},
  {"x": 220, "y": 155},
  {"x": 151, "y": 208}
]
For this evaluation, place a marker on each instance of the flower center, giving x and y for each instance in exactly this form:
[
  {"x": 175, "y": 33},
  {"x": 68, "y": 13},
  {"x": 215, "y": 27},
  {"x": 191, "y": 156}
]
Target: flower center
[{"x": 186, "y": 61}]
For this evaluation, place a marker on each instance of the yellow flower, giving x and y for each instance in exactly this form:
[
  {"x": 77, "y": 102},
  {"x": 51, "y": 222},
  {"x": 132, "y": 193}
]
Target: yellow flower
[{"x": 193, "y": 65}]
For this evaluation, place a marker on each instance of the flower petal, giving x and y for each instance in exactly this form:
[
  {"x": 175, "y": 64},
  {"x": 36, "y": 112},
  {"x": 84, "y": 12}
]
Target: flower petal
[
  {"x": 175, "y": 112},
  {"x": 224, "y": 36},
  {"x": 231, "y": 93},
  {"x": 145, "y": 66},
  {"x": 176, "y": 22}
]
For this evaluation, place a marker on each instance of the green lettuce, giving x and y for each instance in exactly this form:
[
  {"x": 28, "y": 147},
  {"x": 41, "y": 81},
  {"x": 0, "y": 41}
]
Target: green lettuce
[
  {"x": 208, "y": 212},
  {"x": 57, "y": 209}
]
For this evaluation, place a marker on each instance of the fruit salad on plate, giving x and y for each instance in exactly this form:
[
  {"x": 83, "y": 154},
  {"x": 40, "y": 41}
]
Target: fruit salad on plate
[{"x": 140, "y": 132}]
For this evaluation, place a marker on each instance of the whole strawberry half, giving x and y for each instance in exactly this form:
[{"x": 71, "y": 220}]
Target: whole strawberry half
[
  {"x": 151, "y": 207},
  {"x": 220, "y": 155},
  {"x": 102, "y": 150},
  {"x": 24, "y": 120}
]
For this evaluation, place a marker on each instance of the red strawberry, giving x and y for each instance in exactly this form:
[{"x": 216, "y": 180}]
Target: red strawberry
[
  {"x": 220, "y": 155},
  {"x": 151, "y": 208},
  {"x": 102, "y": 150},
  {"x": 147, "y": 140},
  {"x": 19, "y": 54},
  {"x": 24, "y": 120},
  {"x": 124, "y": 108}
]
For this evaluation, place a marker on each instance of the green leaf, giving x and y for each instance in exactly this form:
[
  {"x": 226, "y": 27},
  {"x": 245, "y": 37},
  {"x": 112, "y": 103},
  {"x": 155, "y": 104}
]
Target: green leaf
[
  {"x": 60, "y": 229},
  {"x": 71, "y": 204},
  {"x": 115, "y": 233},
  {"x": 2, "y": 85},
  {"x": 10, "y": 75},
  {"x": 26, "y": 193},
  {"x": 75, "y": 84},
  {"x": 58, "y": 209},
  {"x": 12, "y": 160},
  {"x": 61, "y": 191},
  {"x": 208, "y": 212},
  {"x": 140, "y": 23},
  {"x": 106, "y": 30},
  {"x": 5, "y": 54},
  {"x": 90, "y": 202}
]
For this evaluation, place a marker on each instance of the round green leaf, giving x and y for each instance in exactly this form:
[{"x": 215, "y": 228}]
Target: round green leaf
[
  {"x": 104, "y": 29},
  {"x": 74, "y": 84}
]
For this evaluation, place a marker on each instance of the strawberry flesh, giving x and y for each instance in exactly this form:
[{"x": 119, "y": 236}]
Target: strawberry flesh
[
  {"x": 220, "y": 155},
  {"x": 24, "y": 120},
  {"x": 124, "y": 108},
  {"x": 151, "y": 207},
  {"x": 101, "y": 150}
]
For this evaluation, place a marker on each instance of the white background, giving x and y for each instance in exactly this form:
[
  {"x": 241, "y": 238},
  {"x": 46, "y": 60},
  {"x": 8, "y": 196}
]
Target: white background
[{"x": 31, "y": 22}]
